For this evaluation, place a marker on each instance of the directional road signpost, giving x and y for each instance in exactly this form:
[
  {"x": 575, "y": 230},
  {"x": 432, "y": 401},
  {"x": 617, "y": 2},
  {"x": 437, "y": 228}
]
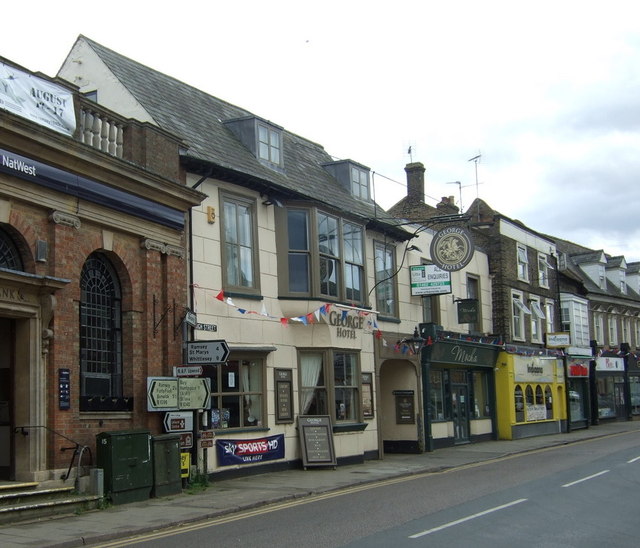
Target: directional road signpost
[{"x": 207, "y": 352}]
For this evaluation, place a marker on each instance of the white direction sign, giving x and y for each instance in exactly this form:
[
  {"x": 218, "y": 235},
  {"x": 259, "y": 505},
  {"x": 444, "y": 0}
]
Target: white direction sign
[
  {"x": 207, "y": 352},
  {"x": 194, "y": 393},
  {"x": 178, "y": 421},
  {"x": 187, "y": 370},
  {"x": 162, "y": 393}
]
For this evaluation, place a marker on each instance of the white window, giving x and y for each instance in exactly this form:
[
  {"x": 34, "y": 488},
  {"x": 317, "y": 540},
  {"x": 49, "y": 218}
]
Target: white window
[
  {"x": 359, "y": 183},
  {"x": 626, "y": 330},
  {"x": 613, "y": 331},
  {"x": 602, "y": 278},
  {"x": 637, "y": 341},
  {"x": 575, "y": 320},
  {"x": 269, "y": 144},
  {"x": 523, "y": 263},
  {"x": 543, "y": 270},
  {"x": 598, "y": 327},
  {"x": 519, "y": 309},
  {"x": 549, "y": 311},
  {"x": 537, "y": 317},
  {"x": 623, "y": 283}
]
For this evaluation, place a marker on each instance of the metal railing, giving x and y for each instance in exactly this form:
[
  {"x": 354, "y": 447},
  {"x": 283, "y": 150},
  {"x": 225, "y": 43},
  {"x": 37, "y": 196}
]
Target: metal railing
[{"x": 77, "y": 448}]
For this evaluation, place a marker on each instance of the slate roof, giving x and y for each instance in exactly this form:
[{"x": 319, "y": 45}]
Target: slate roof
[{"x": 198, "y": 118}]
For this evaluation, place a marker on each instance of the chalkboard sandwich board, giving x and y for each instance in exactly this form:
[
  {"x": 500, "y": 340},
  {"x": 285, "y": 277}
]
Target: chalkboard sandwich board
[{"x": 316, "y": 440}]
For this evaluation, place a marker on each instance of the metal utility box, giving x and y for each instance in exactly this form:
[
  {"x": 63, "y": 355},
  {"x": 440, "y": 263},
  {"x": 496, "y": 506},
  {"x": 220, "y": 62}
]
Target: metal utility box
[
  {"x": 167, "y": 478},
  {"x": 125, "y": 457}
]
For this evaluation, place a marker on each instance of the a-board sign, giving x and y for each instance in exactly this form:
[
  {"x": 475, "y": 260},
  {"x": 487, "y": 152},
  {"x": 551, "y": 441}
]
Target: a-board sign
[{"x": 316, "y": 440}]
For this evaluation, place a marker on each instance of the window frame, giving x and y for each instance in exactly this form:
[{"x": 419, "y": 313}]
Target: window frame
[
  {"x": 219, "y": 395},
  {"x": 390, "y": 281},
  {"x": 537, "y": 317},
  {"x": 359, "y": 188},
  {"x": 238, "y": 200},
  {"x": 109, "y": 349},
  {"x": 543, "y": 270},
  {"x": 348, "y": 258},
  {"x": 274, "y": 150},
  {"x": 612, "y": 330},
  {"x": 522, "y": 262},
  {"x": 518, "y": 318},
  {"x": 329, "y": 387}
]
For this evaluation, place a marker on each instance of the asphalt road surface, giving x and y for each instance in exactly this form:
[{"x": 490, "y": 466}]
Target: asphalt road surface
[{"x": 584, "y": 494}]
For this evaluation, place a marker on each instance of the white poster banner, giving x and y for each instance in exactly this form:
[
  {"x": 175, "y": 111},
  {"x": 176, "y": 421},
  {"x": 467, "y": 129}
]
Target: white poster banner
[{"x": 37, "y": 100}]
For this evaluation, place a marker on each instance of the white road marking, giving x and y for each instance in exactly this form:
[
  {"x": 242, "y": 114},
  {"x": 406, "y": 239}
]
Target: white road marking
[
  {"x": 585, "y": 479},
  {"x": 633, "y": 460},
  {"x": 468, "y": 518}
]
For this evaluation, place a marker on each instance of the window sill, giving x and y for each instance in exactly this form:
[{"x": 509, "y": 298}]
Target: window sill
[
  {"x": 241, "y": 295},
  {"x": 388, "y": 319},
  {"x": 350, "y": 427}
]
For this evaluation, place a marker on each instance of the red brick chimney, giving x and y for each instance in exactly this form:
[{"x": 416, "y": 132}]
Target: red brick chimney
[{"x": 415, "y": 182}]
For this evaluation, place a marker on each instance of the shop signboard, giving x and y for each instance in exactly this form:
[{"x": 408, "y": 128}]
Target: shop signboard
[{"x": 234, "y": 452}]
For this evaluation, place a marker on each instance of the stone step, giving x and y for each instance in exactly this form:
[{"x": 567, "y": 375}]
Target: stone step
[{"x": 22, "y": 502}]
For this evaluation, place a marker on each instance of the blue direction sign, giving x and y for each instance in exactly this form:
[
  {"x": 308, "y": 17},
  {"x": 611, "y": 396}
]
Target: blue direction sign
[{"x": 207, "y": 352}]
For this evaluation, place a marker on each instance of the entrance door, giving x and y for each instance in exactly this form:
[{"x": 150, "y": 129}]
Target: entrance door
[
  {"x": 460, "y": 409},
  {"x": 621, "y": 407},
  {"x": 6, "y": 396}
]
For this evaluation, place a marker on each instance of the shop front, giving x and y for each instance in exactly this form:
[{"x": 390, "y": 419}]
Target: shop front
[
  {"x": 578, "y": 397},
  {"x": 458, "y": 388},
  {"x": 530, "y": 395},
  {"x": 609, "y": 401}
]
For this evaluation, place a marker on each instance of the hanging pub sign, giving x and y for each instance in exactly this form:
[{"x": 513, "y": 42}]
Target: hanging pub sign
[
  {"x": 452, "y": 248},
  {"x": 467, "y": 310},
  {"x": 428, "y": 279}
]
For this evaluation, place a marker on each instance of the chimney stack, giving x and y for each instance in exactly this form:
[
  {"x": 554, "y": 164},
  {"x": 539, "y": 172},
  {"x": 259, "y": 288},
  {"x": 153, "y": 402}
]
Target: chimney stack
[{"x": 415, "y": 182}]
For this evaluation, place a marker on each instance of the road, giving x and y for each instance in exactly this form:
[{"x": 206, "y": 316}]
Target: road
[{"x": 582, "y": 494}]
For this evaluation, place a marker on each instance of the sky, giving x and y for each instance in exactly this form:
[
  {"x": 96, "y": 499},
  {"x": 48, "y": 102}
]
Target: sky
[{"x": 546, "y": 93}]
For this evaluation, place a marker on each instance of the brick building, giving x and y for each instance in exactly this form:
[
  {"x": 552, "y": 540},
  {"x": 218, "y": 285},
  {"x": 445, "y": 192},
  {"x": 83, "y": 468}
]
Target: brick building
[{"x": 92, "y": 271}]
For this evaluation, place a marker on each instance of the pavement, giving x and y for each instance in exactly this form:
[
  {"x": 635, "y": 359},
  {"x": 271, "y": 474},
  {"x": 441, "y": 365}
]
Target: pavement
[{"x": 249, "y": 492}]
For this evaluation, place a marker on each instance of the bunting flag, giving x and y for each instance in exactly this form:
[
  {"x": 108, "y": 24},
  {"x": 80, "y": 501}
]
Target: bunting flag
[{"x": 306, "y": 319}]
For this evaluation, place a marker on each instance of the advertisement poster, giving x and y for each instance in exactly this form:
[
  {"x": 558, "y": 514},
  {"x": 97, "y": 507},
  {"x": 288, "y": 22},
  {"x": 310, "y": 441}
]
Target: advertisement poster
[{"x": 231, "y": 452}]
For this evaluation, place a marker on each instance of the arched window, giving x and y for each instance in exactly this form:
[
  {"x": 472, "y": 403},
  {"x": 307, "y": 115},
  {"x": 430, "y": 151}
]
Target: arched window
[
  {"x": 548, "y": 399},
  {"x": 100, "y": 332},
  {"x": 519, "y": 403},
  {"x": 539, "y": 397},
  {"x": 9, "y": 256}
]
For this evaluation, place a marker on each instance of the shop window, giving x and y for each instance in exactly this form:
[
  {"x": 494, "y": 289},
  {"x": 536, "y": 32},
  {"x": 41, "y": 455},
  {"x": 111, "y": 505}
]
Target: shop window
[
  {"x": 237, "y": 394},
  {"x": 539, "y": 396},
  {"x": 548, "y": 401},
  {"x": 345, "y": 373},
  {"x": 436, "y": 395},
  {"x": 519, "y": 403},
  {"x": 480, "y": 402},
  {"x": 100, "y": 335},
  {"x": 528, "y": 398}
]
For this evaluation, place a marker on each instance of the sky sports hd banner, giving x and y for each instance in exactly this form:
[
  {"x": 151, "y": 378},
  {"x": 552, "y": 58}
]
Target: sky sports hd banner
[
  {"x": 232, "y": 452},
  {"x": 37, "y": 99}
]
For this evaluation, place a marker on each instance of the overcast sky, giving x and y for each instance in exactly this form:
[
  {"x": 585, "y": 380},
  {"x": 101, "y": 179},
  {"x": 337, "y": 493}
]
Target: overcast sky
[{"x": 547, "y": 92}]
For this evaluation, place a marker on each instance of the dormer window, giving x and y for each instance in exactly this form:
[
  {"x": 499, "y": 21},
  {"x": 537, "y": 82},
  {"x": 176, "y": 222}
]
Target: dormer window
[
  {"x": 359, "y": 183},
  {"x": 353, "y": 177},
  {"x": 623, "y": 282},
  {"x": 269, "y": 146},
  {"x": 261, "y": 137}
]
